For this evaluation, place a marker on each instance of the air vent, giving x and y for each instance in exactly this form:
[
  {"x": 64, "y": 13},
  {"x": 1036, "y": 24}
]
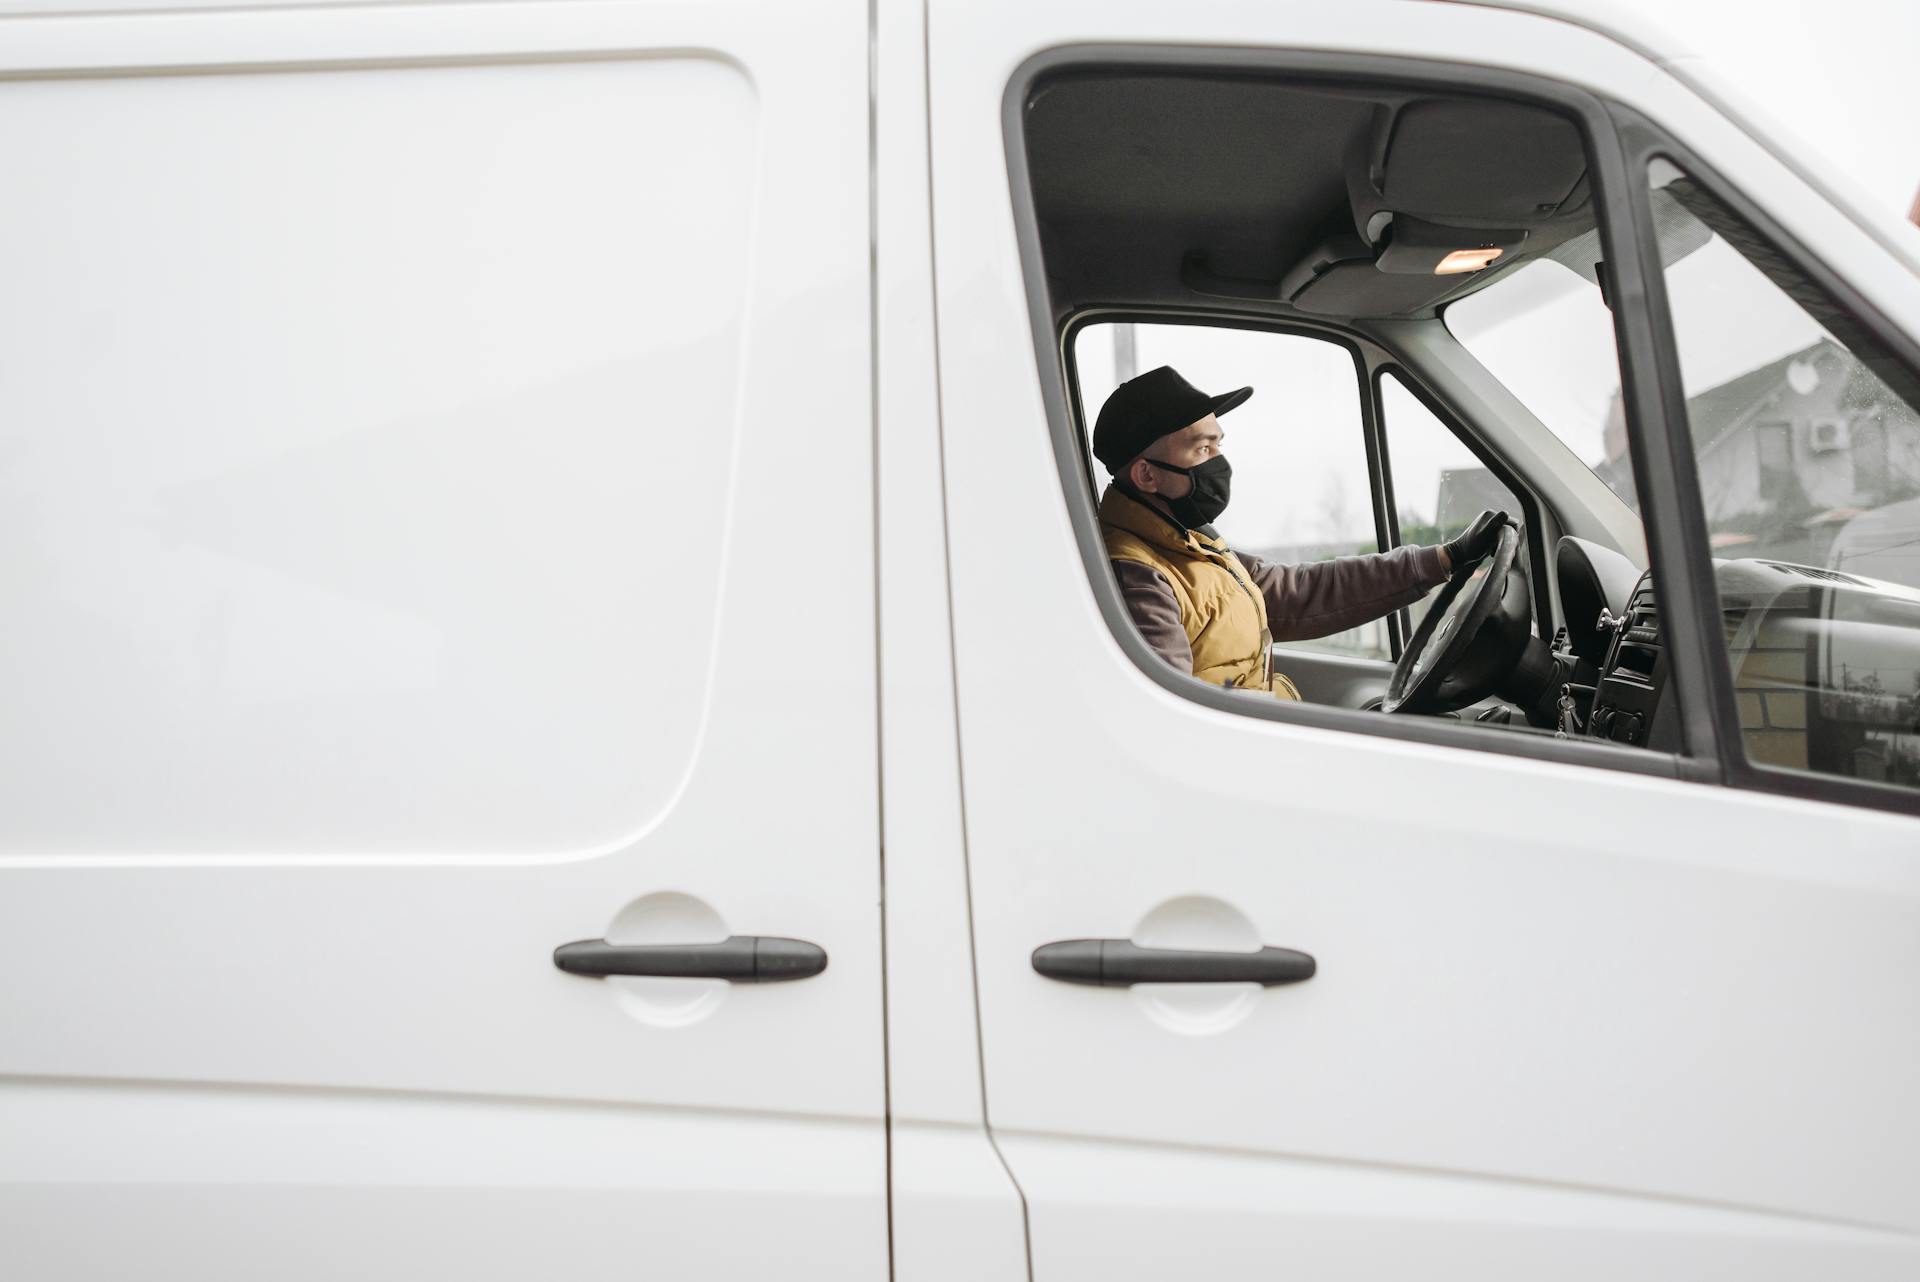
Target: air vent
[
  {"x": 1636, "y": 652},
  {"x": 1809, "y": 572},
  {"x": 1825, "y": 435},
  {"x": 1642, "y": 626}
]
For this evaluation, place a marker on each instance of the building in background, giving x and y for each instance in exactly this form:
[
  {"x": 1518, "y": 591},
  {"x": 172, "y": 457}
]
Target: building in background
[{"x": 1806, "y": 459}]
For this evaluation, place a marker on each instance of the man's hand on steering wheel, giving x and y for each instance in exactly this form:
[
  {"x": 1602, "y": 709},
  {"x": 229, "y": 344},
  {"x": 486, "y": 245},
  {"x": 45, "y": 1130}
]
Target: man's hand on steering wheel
[
  {"x": 1478, "y": 539},
  {"x": 1477, "y": 628}
]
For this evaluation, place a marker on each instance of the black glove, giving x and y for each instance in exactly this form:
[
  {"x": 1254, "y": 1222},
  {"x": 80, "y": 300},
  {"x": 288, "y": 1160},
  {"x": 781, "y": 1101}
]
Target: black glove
[{"x": 1476, "y": 541}]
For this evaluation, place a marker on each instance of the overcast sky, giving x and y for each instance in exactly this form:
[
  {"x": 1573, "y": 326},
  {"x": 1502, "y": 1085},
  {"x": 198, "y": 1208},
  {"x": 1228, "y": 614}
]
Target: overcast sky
[{"x": 1841, "y": 73}]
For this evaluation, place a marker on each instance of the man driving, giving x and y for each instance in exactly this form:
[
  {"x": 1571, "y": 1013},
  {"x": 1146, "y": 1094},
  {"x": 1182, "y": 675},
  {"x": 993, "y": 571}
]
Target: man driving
[{"x": 1204, "y": 608}]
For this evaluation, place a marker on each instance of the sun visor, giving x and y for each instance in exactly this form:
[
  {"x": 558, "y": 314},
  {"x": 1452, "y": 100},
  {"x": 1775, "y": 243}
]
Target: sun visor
[
  {"x": 1481, "y": 163},
  {"x": 1677, "y": 233}
]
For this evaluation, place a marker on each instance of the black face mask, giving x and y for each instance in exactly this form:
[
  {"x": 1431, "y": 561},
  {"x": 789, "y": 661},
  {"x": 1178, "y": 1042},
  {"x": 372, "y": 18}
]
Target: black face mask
[{"x": 1203, "y": 504}]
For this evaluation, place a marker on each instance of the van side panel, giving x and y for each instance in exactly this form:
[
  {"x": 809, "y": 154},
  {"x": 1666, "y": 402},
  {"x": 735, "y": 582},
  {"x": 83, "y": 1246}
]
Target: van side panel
[
  {"x": 436, "y": 467},
  {"x": 341, "y": 405}
]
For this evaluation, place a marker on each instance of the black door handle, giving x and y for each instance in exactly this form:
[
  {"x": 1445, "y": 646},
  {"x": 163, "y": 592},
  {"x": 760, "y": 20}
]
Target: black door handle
[
  {"x": 743, "y": 959},
  {"x": 1116, "y": 963}
]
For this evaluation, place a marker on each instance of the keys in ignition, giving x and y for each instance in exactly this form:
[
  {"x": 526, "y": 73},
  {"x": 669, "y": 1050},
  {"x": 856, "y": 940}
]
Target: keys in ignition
[{"x": 1569, "y": 714}]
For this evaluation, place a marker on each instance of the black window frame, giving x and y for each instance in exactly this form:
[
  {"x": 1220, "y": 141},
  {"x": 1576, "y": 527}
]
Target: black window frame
[
  {"x": 1626, "y": 240},
  {"x": 1642, "y": 143}
]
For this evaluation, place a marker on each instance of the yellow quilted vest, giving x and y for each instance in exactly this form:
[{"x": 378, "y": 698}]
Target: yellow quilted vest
[{"x": 1223, "y": 613}]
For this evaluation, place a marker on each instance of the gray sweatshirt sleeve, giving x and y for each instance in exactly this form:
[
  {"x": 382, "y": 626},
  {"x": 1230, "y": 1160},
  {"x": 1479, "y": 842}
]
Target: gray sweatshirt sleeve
[
  {"x": 1156, "y": 612},
  {"x": 1324, "y": 597}
]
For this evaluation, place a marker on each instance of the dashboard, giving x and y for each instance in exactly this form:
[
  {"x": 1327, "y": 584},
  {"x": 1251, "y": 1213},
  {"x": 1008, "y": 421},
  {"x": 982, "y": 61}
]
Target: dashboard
[
  {"x": 1824, "y": 664},
  {"x": 1627, "y": 706},
  {"x": 1613, "y": 648}
]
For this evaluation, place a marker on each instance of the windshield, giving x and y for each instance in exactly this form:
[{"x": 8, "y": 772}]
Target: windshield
[
  {"x": 1545, "y": 334},
  {"x": 1795, "y": 434}
]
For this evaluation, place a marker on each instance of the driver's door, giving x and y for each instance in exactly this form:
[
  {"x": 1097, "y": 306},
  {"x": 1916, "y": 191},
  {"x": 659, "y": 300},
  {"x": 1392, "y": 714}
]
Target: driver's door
[
  {"x": 1563, "y": 1018},
  {"x": 1569, "y": 1019}
]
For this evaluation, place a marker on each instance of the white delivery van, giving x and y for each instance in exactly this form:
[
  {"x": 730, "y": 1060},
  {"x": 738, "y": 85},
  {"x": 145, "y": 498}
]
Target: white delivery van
[{"x": 568, "y": 715}]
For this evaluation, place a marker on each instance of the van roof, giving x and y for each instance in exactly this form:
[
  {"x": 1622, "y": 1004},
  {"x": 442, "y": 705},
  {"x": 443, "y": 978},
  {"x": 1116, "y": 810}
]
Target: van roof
[
  {"x": 1696, "y": 68},
  {"x": 1627, "y": 24}
]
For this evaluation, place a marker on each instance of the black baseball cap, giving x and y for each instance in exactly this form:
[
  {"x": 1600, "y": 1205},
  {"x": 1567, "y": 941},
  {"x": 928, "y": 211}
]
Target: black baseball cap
[{"x": 1144, "y": 409}]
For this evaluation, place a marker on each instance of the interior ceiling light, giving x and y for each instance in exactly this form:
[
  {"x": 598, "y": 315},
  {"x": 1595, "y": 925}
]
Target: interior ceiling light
[
  {"x": 1466, "y": 260},
  {"x": 1416, "y": 247}
]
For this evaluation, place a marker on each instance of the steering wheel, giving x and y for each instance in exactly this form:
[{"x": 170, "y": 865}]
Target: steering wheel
[{"x": 1469, "y": 640}]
